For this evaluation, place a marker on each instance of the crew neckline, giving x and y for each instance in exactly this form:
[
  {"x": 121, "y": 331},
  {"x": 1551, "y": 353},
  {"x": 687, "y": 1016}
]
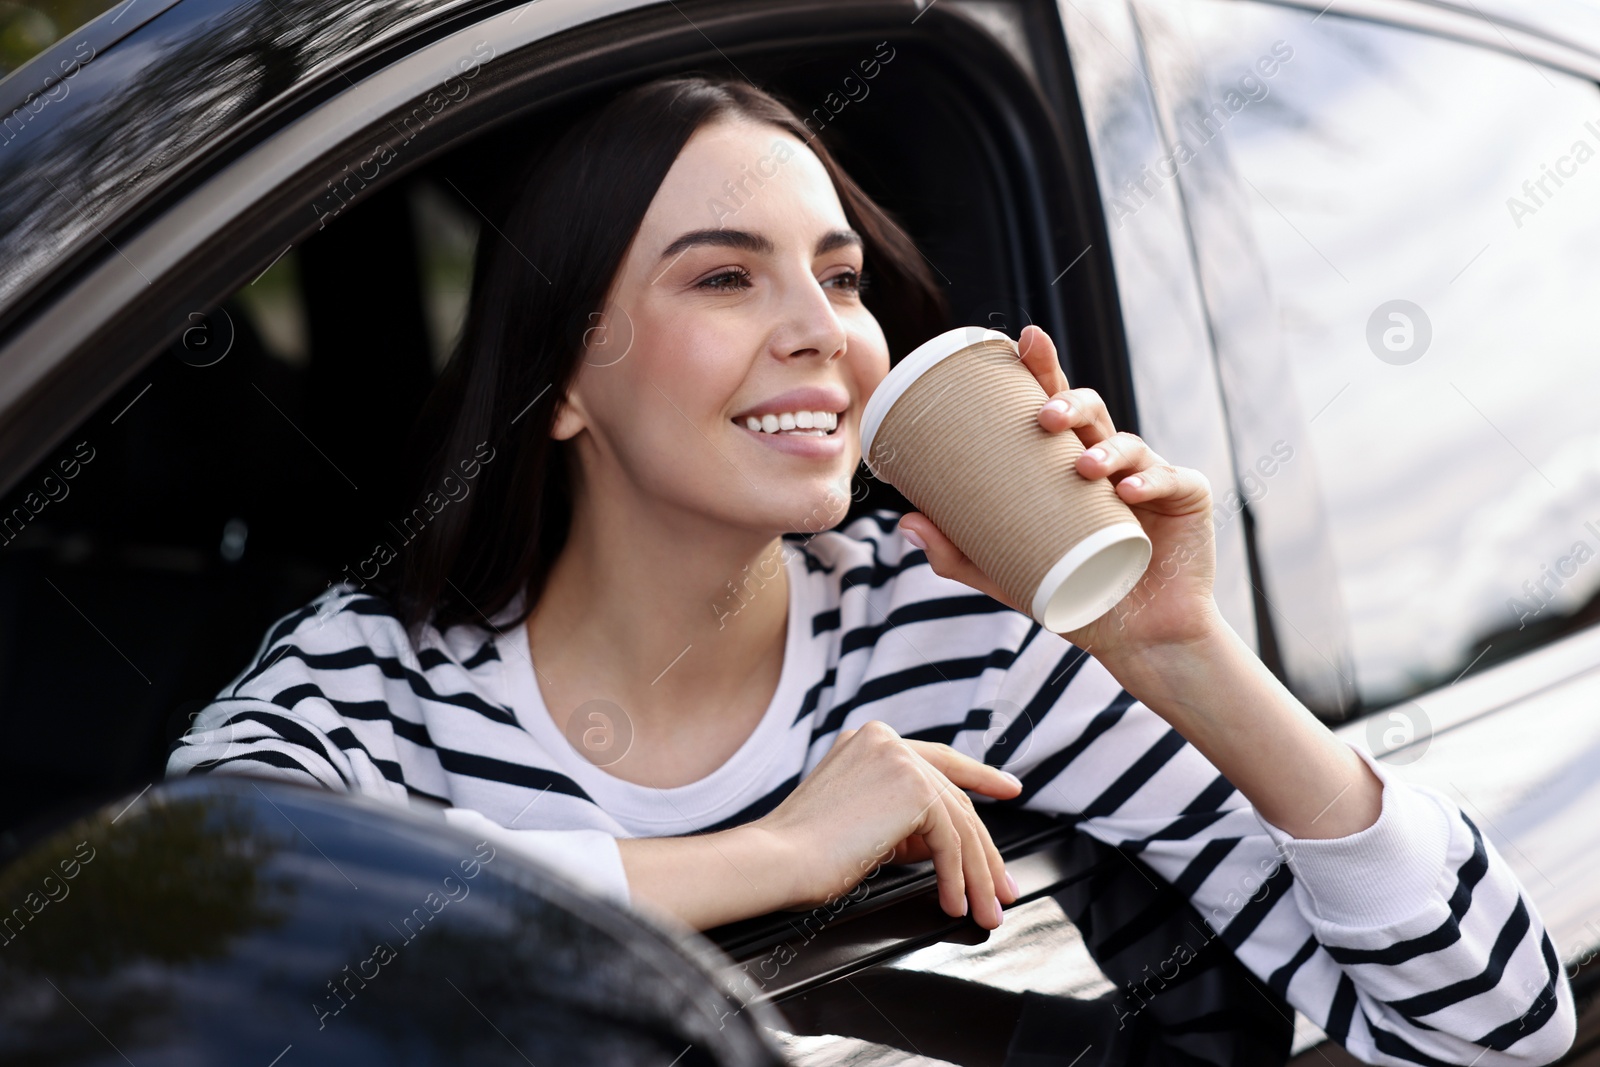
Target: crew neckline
[{"x": 729, "y": 788}]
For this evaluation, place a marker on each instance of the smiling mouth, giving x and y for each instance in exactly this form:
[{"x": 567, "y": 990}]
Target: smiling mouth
[{"x": 794, "y": 423}]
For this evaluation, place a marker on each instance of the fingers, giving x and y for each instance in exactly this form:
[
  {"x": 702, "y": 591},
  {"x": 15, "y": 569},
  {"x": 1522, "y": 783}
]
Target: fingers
[
  {"x": 1118, "y": 454},
  {"x": 1172, "y": 490},
  {"x": 985, "y": 870},
  {"x": 969, "y": 871},
  {"x": 943, "y": 839},
  {"x": 1081, "y": 410},
  {"x": 1002, "y": 882},
  {"x": 961, "y": 859},
  {"x": 945, "y": 558},
  {"x": 1143, "y": 477},
  {"x": 966, "y": 772},
  {"x": 976, "y": 868},
  {"x": 1139, "y": 474},
  {"x": 1038, "y": 354}
]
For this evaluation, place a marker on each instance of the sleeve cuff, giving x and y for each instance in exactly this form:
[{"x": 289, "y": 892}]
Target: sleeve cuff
[
  {"x": 590, "y": 858},
  {"x": 1375, "y": 877}
]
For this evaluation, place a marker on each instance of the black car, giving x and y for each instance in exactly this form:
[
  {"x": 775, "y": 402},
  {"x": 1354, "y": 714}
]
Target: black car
[{"x": 1337, "y": 257}]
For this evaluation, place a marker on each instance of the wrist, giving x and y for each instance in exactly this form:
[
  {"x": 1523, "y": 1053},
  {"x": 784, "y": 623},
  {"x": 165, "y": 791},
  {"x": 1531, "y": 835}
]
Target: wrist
[
  {"x": 1167, "y": 670},
  {"x": 772, "y": 862}
]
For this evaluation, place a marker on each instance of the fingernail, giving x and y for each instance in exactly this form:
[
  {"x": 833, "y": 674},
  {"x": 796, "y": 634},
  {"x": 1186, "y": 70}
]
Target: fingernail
[
  {"x": 1058, "y": 405},
  {"x": 911, "y": 535},
  {"x": 1012, "y": 882},
  {"x": 964, "y": 905},
  {"x": 1097, "y": 453},
  {"x": 1013, "y": 779},
  {"x": 999, "y": 912},
  {"x": 1135, "y": 481}
]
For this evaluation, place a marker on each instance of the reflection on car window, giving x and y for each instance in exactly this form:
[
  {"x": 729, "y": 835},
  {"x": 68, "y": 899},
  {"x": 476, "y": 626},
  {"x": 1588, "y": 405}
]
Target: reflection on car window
[
  {"x": 446, "y": 237},
  {"x": 28, "y": 29},
  {"x": 274, "y": 305},
  {"x": 1428, "y": 212}
]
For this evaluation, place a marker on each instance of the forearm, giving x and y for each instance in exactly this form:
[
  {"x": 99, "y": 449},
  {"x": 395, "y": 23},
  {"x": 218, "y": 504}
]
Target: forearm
[
  {"x": 1224, "y": 701},
  {"x": 706, "y": 880}
]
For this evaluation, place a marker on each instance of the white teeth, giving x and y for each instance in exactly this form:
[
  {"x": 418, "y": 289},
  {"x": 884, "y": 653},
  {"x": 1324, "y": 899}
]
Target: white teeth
[{"x": 809, "y": 423}]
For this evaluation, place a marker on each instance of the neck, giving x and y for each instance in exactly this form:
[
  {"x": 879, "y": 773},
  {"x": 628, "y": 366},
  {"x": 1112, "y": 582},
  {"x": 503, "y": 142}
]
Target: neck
[{"x": 669, "y": 614}]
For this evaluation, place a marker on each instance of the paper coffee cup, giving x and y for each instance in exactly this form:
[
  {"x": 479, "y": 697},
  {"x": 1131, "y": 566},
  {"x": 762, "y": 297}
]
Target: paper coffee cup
[{"x": 955, "y": 427}]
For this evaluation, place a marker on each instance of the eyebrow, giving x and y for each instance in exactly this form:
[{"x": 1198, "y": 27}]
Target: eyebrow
[{"x": 746, "y": 241}]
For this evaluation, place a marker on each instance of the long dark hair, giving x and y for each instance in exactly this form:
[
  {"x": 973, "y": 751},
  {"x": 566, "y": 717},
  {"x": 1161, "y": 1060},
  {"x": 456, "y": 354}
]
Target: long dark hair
[{"x": 538, "y": 285}]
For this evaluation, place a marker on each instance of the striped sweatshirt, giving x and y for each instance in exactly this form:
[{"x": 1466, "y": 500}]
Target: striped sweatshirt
[{"x": 1408, "y": 942}]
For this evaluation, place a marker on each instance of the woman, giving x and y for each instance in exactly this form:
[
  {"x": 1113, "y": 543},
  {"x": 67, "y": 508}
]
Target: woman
[{"x": 636, "y": 460}]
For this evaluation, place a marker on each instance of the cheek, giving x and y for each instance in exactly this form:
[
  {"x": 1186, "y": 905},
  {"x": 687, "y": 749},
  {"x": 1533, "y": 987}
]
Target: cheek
[
  {"x": 658, "y": 406},
  {"x": 712, "y": 355},
  {"x": 868, "y": 358},
  {"x": 697, "y": 367}
]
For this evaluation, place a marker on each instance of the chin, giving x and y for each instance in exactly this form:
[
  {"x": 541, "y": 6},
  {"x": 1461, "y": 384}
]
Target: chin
[{"x": 811, "y": 507}]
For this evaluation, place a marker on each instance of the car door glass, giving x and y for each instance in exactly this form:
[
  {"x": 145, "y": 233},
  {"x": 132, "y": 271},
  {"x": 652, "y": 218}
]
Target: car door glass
[
  {"x": 446, "y": 236},
  {"x": 1427, "y": 211}
]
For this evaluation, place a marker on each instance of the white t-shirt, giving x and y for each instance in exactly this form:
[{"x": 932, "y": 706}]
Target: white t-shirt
[{"x": 1408, "y": 940}]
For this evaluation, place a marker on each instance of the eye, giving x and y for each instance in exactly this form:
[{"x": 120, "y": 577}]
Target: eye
[
  {"x": 851, "y": 281},
  {"x": 730, "y": 280}
]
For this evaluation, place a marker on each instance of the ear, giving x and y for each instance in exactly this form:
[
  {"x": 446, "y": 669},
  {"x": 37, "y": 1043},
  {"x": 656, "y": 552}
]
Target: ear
[{"x": 570, "y": 418}]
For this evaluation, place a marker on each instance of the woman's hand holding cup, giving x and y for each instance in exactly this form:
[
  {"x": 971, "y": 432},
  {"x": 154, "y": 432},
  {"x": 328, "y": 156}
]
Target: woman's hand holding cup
[{"x": 1172, "y": 603}]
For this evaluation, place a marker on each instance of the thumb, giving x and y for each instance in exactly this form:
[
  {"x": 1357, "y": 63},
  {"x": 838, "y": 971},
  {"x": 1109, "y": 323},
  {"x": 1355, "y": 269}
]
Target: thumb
[{"x": 945, "y": 558}]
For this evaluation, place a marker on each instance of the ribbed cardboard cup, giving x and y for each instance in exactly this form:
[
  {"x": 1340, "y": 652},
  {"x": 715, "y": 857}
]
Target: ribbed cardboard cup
[{"x": 955, "y": 427}]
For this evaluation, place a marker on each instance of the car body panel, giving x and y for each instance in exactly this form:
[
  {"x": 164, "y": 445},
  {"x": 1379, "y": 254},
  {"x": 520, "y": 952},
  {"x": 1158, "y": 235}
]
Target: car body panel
[
  {"x": 104, "y": 149},
  {"x": 214, "y": 918}
]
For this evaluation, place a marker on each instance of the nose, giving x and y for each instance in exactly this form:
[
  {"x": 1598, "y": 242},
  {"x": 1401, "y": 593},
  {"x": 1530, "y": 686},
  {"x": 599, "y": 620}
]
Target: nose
[{"x": 809, "y": 324}]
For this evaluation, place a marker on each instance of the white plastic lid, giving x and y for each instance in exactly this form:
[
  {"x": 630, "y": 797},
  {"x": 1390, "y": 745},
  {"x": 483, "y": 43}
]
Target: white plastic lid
[{"x": 908, "y": 370}]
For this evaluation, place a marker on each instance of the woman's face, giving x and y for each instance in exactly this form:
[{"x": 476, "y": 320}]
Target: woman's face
[{"x": 735, "y": 307}]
